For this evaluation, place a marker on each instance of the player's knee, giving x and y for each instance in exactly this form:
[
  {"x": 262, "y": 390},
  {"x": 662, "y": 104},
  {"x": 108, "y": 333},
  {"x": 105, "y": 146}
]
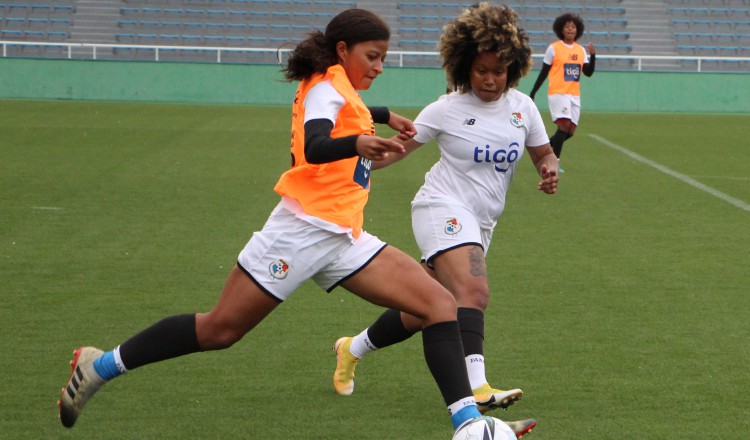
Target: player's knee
[
  {"x": 218, "y": 336},
  {"x": 475, "y": 295},
  {"x": 442, "y": 307},
  {"x": 565, "y": 125}
]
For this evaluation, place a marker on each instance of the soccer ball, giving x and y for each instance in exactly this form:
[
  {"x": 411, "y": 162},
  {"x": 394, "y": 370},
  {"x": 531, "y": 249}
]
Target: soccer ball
[{"x": 484, "y": 428}]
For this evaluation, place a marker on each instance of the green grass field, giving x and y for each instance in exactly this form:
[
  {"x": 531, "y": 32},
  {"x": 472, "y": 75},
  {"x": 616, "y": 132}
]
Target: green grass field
[{"x": 620, "y": 305}]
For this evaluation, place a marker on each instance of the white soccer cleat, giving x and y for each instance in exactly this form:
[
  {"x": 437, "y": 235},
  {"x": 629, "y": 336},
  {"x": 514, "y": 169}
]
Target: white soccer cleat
[{"x": 83, "y": 383}]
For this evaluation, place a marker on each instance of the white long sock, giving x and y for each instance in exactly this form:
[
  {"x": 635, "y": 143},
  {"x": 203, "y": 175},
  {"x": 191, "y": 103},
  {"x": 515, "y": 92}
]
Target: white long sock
[
  {"x": 361, "y": 345},
  {"x": 118, "y": 360},
  {"x": 475, "y": 368}
]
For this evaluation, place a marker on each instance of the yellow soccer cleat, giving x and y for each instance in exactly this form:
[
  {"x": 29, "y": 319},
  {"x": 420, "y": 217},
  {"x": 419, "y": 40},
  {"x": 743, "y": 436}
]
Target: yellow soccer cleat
[
  {"x": 489, "y": 398},
  {"x": 343, "y": 378}
]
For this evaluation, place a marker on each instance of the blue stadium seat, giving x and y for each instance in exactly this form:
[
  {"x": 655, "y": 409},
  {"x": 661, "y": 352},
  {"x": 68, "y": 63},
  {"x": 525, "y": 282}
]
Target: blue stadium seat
[
  {"x": 11, "y": 34},
  {"x": 34, "y": 35},
  {"x": 215, "y": 27},
  {"x": 128, "y": 11},
  {"x": 238, "y": 14},
  {"x": 57, "y": 35},
  {"x": 214, "y": 40},
  {"x": 192, "y": 40},
  {"x": 41, "y": 8},
  {"x": 15, "y": 21},
  {"x": 125, "y": 38},
  {"x": 235, "y": 41},
  {"x": 170, "y": 39},
  {"x": 193, "y": 25},
  {"x": 63, "y": 8}
]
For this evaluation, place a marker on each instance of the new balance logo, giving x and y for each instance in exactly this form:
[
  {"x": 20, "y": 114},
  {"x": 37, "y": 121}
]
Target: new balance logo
[{"x": 468, "y": 121}]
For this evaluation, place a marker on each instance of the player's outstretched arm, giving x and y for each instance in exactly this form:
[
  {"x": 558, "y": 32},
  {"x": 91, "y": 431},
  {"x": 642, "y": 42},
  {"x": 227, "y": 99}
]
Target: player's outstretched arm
[
  {"x": 393, "y": 157},
  {"x": 404, "y": 126},
  {"x": 547, "y": 165},
  {"x": 377, "y": 148}
]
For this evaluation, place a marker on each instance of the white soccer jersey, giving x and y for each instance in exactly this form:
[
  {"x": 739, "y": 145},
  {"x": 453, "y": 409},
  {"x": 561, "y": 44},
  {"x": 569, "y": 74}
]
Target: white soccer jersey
[{"x": 480, "y": 144}]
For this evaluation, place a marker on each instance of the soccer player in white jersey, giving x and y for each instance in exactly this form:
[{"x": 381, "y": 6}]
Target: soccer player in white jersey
[{"x": 482, "y": 131}]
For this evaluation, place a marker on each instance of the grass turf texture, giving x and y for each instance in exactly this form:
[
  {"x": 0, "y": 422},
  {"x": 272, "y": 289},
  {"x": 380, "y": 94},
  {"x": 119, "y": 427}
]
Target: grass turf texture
[{"x": 619, "y": 305}]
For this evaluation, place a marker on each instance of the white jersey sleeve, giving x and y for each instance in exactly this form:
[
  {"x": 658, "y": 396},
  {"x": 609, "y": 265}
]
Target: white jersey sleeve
[
  {"x": 537, "y": 135},
  {"x": 549, "y": 55},
  {"x": 429, "y": 122},
  {"x": 323, "y": 102}
]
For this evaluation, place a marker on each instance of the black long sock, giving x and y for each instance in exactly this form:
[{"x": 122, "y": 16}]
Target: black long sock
[
  {"x": 471, "y": 323},
  {"x": 444, "y": 355},
  {"x": 556, "y": 141},
  {"x": 388, "y": 329},
  {"x": 169, "y": 338}
]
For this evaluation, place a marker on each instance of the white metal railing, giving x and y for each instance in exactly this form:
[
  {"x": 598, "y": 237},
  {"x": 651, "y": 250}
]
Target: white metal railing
[{"x": 401, "y": 55}]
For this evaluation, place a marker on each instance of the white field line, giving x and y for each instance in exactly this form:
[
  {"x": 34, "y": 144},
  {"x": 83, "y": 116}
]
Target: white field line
[
  {"x": 686, "y": 179},
  {"x": 744, "y": 179}
]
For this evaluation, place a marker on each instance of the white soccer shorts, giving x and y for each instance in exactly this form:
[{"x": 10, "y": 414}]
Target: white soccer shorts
[
  {"x": 565, "y": 106},
  {"x": 288, "y": 251},
  {"x": 442, "y": 225}
]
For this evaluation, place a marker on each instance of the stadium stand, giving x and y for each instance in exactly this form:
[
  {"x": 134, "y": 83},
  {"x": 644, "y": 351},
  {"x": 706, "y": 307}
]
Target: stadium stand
[
  {"x": 618, "y": 27},
  {"x": 39, "y": 22},
  {"x": 711, "y": 28}
]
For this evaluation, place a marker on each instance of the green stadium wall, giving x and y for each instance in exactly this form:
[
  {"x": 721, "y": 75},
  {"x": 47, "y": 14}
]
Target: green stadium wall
[{"x": 606, "y": 91}]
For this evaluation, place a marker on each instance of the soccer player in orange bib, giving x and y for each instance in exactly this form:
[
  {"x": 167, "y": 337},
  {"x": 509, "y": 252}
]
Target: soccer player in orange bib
[
  {"x": 564, "y": 61},
  {"x": 315, "y": 232}
]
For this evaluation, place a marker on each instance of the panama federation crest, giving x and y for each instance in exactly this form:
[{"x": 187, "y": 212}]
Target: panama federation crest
[
  {"x": 516, "y": 119},
  {"x": 452, "y": 226},
  {"x": 279, "y": 269}
]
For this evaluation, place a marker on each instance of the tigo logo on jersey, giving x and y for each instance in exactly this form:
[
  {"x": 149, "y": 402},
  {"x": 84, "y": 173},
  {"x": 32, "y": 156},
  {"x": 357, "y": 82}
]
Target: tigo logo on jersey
[
  {"x": 502, "y": 158},
  {"x": 452, "y": 226},
  {"x": 516, "y": 120},
  {"x": 279, "y": 269},
  {"x": 572, "y": 72}
]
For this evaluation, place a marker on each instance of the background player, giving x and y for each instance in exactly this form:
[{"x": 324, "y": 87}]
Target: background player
[{"x": 564, "y": 61}]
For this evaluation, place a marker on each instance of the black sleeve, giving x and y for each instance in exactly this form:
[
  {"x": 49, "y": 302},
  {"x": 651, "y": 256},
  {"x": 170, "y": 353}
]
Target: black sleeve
[
  {"x": 540, "y": 79},
  {"x": 588, "y": 68},
  {"x": 380, "y": 115},
  {"x": 320, "y": 147}
]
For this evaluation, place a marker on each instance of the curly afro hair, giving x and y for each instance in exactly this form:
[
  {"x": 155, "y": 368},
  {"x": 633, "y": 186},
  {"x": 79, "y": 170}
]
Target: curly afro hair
[
  {"x": 484, "y": 28},
  {"x": 561, "y": 21}
]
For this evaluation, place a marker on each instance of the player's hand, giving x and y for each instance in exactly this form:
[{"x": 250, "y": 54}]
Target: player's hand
[
  {"x": 404, "y": 126},
  {"x": 377, "y": 148},
  {"x": 591, "y": 49},
  {"x": 549, "y": 179}
]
